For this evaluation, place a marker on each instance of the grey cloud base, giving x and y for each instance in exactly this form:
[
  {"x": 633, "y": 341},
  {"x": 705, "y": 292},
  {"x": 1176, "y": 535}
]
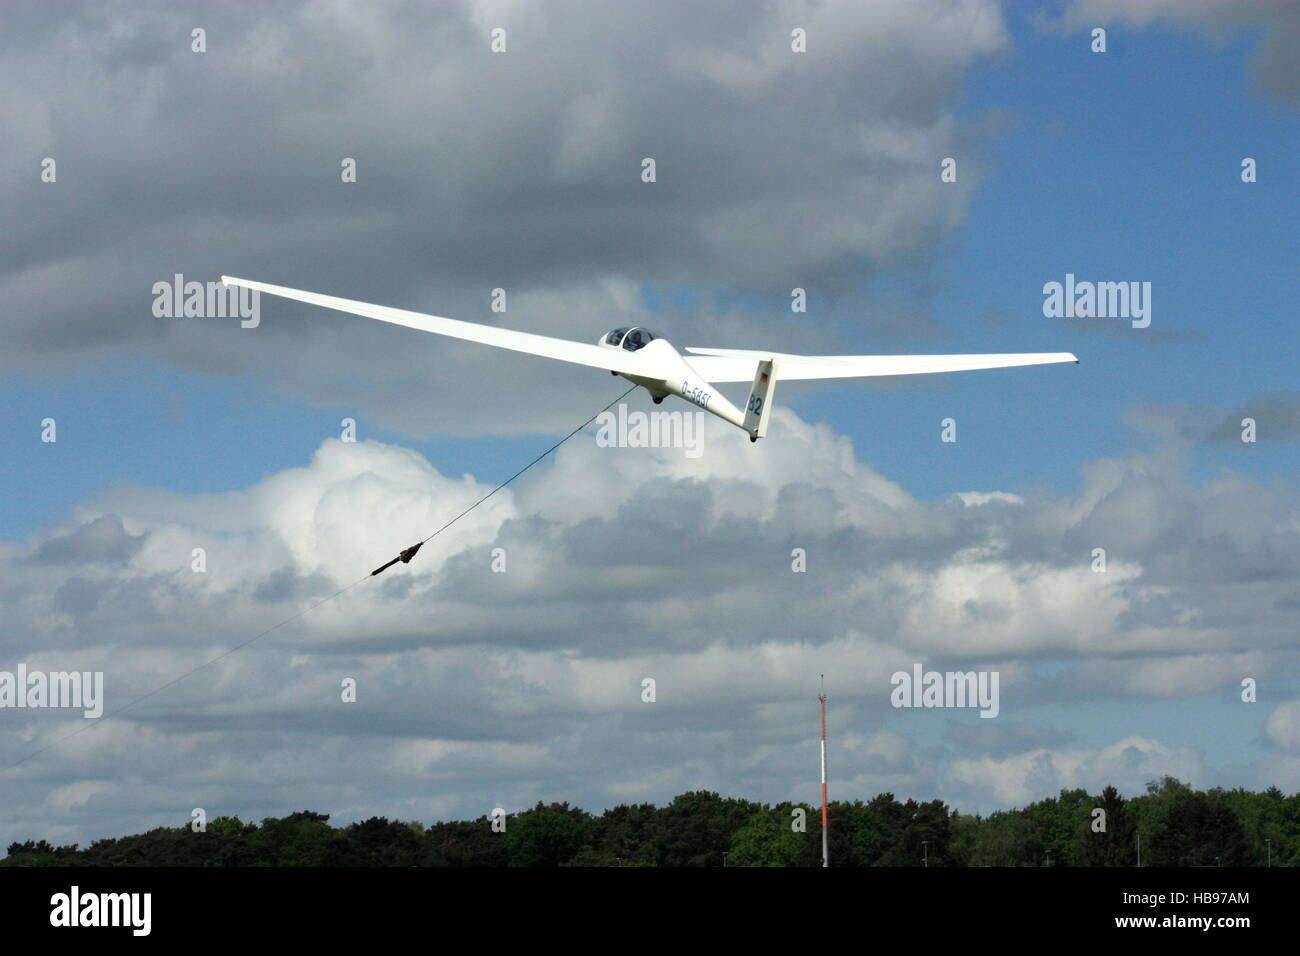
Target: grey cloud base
[
  {"x": 477, "y": 689},
  {"x": 476, "y": 171}
]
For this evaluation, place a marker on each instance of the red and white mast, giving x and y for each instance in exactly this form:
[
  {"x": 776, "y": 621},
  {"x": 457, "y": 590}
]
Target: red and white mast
[{"x": 821, "y": 703}]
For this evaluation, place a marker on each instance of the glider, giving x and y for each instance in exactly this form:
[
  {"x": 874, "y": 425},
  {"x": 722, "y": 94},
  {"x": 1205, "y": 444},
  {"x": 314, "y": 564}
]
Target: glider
[{"x": 646, "y": 359}]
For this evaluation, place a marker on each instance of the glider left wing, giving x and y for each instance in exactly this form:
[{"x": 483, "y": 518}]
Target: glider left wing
[{"x": 579, "y": 353}]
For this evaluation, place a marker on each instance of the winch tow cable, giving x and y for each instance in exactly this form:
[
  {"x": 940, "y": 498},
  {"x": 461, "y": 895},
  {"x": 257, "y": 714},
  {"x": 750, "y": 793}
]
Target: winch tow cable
[{"x": 404, "y": 556}]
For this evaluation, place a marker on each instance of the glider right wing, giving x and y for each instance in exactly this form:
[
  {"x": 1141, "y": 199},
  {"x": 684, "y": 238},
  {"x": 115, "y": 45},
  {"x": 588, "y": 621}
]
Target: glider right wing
[{"x": 738, "y": 365}]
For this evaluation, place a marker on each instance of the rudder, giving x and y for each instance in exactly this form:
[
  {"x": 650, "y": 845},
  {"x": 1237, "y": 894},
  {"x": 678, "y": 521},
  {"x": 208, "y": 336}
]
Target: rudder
[{"x": 759, "y": 406}]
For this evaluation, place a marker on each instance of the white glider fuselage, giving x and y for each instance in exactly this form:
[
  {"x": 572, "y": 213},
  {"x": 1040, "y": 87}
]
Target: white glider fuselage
[{"x": 674, "y": 375}]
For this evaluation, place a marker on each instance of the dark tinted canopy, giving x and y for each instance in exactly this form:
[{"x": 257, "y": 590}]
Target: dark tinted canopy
[{"x": 631, "y": 339}]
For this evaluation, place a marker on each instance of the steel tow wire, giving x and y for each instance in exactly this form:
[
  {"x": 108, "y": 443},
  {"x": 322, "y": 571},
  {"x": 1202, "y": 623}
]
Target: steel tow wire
[{"x": 405, "y": 556}]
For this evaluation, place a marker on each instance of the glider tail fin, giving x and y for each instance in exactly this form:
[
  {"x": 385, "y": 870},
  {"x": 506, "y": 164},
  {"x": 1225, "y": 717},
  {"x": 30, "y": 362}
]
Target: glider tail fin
[{"x": 759, "y": 407}]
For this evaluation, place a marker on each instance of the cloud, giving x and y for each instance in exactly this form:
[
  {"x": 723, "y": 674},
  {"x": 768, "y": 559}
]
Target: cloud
[
  {"x": 103, "y": 540},
  {"x": 1167, "y": 676},
  {"x": 478, "y": 689},
  {"x": 1003, "y": 738},
  {"x": 1272, "y": 65},
  {"x": 1127, "y": 764},
  {"x": 1283, "y": 726},
  {"x": 1276, "y": 419},
  {"x": 476, "y": 171}
]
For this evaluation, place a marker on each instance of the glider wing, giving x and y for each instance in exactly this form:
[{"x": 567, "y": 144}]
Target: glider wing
[
  {"x": 738, "y": 365},
  {"x": 579, "y": 353}
]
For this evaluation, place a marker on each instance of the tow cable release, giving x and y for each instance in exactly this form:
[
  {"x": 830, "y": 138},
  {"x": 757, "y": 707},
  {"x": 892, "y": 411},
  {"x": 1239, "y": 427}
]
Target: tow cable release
[{"x": 405, "y": 557}]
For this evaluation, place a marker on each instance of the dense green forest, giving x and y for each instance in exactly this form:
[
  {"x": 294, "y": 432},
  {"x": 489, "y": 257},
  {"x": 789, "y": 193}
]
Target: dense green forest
[{"x": 1174, "y": 825}]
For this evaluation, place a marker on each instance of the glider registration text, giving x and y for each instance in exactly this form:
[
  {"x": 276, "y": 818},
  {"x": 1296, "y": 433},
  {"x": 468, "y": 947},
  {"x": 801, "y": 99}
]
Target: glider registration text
[{"x": 697, "y": 395}]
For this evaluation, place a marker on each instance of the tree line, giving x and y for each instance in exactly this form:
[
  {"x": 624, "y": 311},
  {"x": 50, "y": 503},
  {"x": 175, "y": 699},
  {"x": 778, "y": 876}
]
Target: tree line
[{"x": 1169, "y": 825}]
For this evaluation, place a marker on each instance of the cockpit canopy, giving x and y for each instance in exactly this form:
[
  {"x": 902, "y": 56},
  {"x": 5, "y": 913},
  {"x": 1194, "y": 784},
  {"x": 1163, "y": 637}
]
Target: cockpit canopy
[{"x": 630, "y": 339}]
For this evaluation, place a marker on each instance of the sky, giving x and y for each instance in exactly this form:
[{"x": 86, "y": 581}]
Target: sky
[{"x": 506, "y": 664}]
